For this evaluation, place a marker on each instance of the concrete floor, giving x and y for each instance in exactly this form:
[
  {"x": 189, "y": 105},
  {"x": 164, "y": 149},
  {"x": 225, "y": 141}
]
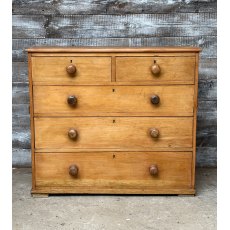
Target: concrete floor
[{"x": 97, "y": 212}]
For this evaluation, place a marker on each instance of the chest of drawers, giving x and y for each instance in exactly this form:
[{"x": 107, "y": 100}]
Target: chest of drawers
[{"x": 113, "y": 120}]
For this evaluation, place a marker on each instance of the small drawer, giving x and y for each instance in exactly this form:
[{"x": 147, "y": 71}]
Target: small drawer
[
  {"x": 113, "y": 100},
  {"x": 130, "y": 171},
  {"x": 162, "y": 70},
  {"x": 71, "y": 69},
  {"x": 116, "y": 133}
]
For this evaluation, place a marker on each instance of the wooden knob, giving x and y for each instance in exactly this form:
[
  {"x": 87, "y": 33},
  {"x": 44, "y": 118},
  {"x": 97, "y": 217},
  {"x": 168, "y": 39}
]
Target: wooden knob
[
  {"x": 72, "y": 100},
  {"x": 155, "y": 69},
  {"x": 73, "y": 170},
  {"x": 71, "y": 69},
  {"x": 155, "y": 99},
  {"x": 153, "y": 170},
  {"x": 154, "y": 132},
  {"x": 72, "y": 133}
]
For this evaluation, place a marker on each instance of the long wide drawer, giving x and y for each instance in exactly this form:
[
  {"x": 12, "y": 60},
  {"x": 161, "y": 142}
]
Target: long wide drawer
[
  {"x": 116, "y": 133},
  {"x": 88, "y": 69},
  {"x": 118, "y": 100},
  {"x": 162, "y": 70},
  {"x": 103, "y": 172}
]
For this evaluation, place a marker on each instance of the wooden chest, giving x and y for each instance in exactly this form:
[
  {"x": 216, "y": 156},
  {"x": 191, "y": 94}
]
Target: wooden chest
[{"x": 113, "y": 120}]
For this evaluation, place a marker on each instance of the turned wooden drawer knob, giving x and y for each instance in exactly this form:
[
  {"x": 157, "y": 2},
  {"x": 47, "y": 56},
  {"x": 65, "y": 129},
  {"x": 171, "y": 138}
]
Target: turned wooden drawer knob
[
  {"x": 71, "y": 69},
  {"x": 155, "y": 69},
  {"x": 73, "y": 170},
  {"x": 153, "y": 170},
  {"x": 154, "y": 133},
  {"x": 72, "y": 100},
  {"x": 155, "y": 99},
  {"x": 72, "y": 133}
]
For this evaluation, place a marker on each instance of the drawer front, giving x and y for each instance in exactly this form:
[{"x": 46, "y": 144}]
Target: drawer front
[
  {"x": 88, "y": 69},
  {"x": 114, "y": 170},
  {"x": 119, "y": 133},
  {"x": 106, "y": 100},
  {"x": 173, "y": 70}
]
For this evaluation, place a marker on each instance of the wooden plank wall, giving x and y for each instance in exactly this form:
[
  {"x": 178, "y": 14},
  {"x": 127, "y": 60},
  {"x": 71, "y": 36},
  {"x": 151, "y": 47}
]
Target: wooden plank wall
[{"x": 116, "y": 23}]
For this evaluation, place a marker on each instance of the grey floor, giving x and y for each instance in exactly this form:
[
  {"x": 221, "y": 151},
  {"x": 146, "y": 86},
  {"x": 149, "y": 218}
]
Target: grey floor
[{"x": 115, "y": 212}]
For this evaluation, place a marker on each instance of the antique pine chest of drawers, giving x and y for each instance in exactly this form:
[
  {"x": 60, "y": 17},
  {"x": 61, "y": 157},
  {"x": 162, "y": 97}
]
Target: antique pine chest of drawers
[{"x": 113, "y": 120}]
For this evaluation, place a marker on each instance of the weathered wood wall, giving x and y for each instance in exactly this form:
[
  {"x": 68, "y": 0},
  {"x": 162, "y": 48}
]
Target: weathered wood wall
[{"x": 116, "y": 23}]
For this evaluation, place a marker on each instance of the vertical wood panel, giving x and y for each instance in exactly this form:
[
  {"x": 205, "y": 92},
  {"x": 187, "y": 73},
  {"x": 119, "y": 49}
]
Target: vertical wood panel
[
  {"x": 195, "y": 120},
  {"x": 31, "y": 119}
]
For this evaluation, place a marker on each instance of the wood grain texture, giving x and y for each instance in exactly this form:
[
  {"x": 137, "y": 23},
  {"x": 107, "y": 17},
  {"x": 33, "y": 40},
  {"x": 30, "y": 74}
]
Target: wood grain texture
[
  {"x": 123, "y": 170},
  {"x": 21, "y": 157},
  {"x": 111, "y": 7},
  {"x": 195, "y": 119},
  {"x": 113, "y": 100},
  {"x": 131, "y": 25},
  {"x": 40, "y": 195},
  {"x": 110, "y": 26},
  {"x": 20, "y": 93},
  {"x": 207, "y": 91},
  {"x": 159, "y": 25},
  {"x": 113, "y": 132},
  {"x": 207, "y": 70},
  {"x": 120, "y": 51},
  {"x": 207, "y": 124},
  {"x": 28, "y": 26},
  {"x": 206, "y": 157},
  {"x": 206, "y": 132},
  {"x": 89, "y": 69},
  {"x": 72, "y": 135},
  {"x": 32, "y": 129},
  {"x": 138, "y": 69},
  {"x": 20, "y": 126},
  {"x": 20, "y": 72},
  {"x": 114, "y": 51},
  {"x": 206, "y": 128},
  {"x": 207, "y": 43},
  {"x": 113, "y": 68},
  {"x": 211, "y": 93},
  {"x": 20, "y": 110},
  {"x": 21, "y": 133},
  {"x": 90, "y": 190}
]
